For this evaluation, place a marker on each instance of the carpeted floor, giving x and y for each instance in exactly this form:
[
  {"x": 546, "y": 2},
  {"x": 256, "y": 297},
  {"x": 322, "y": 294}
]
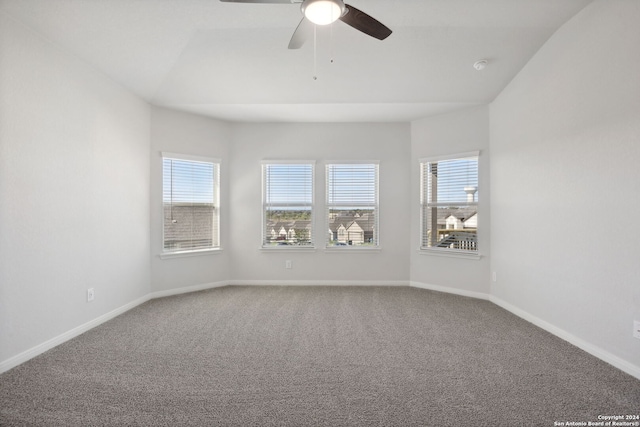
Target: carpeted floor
[{"x": 306, "y": 356}]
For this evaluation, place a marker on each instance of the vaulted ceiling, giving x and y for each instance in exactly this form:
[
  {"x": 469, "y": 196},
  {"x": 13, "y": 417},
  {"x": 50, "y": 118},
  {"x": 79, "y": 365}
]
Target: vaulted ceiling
[{"x": 230, "y": 60}]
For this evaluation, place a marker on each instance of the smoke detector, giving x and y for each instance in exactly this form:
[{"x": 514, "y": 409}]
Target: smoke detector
[{"x": 481, "y": 64}]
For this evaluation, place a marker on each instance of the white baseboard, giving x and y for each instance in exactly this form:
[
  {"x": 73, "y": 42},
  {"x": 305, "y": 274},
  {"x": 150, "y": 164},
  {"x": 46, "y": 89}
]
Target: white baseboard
[
  {"x": 187, "y": 289},
  {"x": 318, "y": 283},
  {"x": 446, "y": 289},
  {"x": 601, "y": 354},
  {"x": 53, "y": 342}
]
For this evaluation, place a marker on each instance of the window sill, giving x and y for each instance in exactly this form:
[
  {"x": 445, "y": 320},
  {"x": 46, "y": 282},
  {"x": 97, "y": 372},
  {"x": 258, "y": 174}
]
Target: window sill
[
  {"x": 183, "y": 254},
  {"x": 349, "y": 249},
  {"x": 449, "y": 253},
  {"x": 286, "y": 248}
]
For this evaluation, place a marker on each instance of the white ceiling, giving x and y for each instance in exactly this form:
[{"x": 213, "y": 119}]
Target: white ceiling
[{"x": 230, "y": 60}]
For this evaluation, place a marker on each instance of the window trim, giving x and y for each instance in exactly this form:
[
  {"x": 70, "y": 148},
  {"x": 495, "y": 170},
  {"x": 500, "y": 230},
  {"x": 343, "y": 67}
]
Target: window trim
[
  {"x": 451, "y": 253},
  {"x": 287, "y": 248},
  {"x": 195, "y": 252},
  {"x": 217, "y": 166},
  {"x": 352, "y": 248},
  {"x": 445, "y": 252}
]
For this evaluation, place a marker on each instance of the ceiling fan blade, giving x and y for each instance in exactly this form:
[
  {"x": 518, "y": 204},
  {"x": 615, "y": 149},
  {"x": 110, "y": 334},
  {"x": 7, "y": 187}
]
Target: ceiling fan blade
[
  {"x": 301, "y": 34},
  {"x": 262, "y": 1},
  {"x": 365, "y": 23}
]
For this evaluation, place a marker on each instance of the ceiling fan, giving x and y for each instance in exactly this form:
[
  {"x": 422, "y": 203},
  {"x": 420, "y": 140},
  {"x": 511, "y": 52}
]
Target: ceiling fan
[{"x": 323, "y": 12}]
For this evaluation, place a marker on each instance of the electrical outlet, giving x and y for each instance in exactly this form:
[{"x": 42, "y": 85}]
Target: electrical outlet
[
  {"x": 90, "y": 294},
  {"x": 493, "y": 276},
  {"x": 636, "y": 329},
  {"x": 287, "y": 264}
]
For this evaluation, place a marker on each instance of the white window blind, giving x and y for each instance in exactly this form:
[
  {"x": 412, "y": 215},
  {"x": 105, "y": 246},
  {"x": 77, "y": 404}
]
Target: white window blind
[
  {"x": 190, "y": 195},
  {"x": 449, "y": 203},
  {"x": 352, "y": 204},
  {"x": 287, "y": 201}
]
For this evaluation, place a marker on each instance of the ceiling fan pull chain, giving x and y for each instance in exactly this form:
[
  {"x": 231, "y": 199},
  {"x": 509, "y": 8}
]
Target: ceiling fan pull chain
[
  {"x": 331, "y": 44},
  {"x": 315, "y": 62}
]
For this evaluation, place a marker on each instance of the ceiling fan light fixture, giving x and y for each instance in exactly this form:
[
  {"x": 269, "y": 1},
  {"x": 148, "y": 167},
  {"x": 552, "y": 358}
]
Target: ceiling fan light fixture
[{"x": 322, "y": 12}]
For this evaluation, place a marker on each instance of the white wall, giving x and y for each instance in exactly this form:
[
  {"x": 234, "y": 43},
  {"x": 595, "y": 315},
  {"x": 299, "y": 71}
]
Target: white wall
[
  {"x": 184, "y": 133},
  {"x": 565, "y": 147},
  {"x": 252, "y": 143},
  {"x": 458, "y": 132},
  {"x": 74, "y": 192}
]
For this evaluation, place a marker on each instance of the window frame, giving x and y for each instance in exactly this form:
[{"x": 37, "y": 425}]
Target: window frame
[
  {"x": 311, "y": 206},
  {"x": 424, "y": 204},
  {"x": 216, "y": 246},
  {"x": 329, "y": 206}
]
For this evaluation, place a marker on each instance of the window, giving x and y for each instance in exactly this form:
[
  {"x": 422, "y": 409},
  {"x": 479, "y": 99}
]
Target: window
[
  {"x": 449, "y": 203},
  {"x": 287, "y": 204},
  {"x": 352, "y": 205},
  {"x": 190, "y": 203}
]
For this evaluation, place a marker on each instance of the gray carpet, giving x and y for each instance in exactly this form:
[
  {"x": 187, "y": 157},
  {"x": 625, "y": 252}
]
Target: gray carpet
[{"x": 330, "y": 356}]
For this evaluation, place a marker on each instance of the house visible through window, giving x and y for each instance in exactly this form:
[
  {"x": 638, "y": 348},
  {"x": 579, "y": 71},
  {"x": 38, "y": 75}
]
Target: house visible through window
[
  {"x": 287, "y": 204},
  {"x": 449, "y": 203},
  {"x": 352, "y": 204},
  {"x": 190, "y": 203}
]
